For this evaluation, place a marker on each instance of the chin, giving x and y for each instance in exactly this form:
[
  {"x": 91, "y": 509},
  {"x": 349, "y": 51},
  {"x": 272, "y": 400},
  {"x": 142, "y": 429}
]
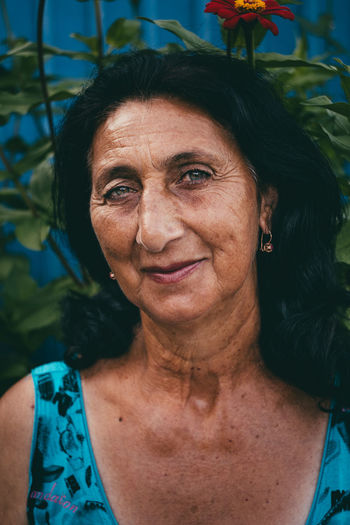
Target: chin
[{"x": 174, "y": 312}]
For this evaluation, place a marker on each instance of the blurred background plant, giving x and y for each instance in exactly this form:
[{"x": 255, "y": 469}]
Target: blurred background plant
[{"x": 36, "y": 267}]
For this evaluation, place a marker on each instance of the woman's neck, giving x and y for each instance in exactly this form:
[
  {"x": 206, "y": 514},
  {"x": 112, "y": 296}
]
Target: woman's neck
[{"x": 196, "y": 362}]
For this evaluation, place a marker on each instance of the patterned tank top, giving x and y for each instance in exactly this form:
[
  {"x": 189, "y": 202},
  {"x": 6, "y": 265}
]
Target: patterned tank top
[{"x": 64, "y": 484}]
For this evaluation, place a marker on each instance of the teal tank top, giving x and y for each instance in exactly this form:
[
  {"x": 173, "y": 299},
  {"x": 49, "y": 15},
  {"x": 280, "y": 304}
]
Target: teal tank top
[{"x": 64, "y": 484}]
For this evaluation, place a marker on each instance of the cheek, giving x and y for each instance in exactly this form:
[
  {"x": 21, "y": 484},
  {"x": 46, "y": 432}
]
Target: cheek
[
  {"x": 115, "y": 234},
  {"x": 233, "y": 223}
]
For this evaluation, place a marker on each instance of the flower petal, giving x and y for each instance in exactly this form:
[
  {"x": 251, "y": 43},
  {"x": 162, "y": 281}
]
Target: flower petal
[
  {"x": 274, "y": 8},
  {"x": 218, "y": 5},
  {"x": 226, "y": 13},
  {"x": 231, "y": 22},
  {"x": 272, "y": 4},
  {"x": 283, "y": 13},
  {"x": 249, "y": 17},
  {"x": 267, "y": 24}
]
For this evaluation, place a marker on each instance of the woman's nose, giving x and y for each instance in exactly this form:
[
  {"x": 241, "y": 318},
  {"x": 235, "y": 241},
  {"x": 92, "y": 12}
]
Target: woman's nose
[{"x": 159, "y": 222}]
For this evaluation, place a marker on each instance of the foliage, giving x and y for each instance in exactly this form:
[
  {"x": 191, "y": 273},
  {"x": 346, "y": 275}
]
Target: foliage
[{"x": 31, "y": 313}]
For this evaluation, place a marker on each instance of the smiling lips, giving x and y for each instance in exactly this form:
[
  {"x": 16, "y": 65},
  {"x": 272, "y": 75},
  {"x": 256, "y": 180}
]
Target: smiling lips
[{"x": 172, "y": 273}]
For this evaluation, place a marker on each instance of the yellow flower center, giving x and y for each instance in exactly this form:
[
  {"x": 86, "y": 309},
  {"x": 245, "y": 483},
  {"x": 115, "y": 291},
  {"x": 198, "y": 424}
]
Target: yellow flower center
[{"x": 250, "y": 6}]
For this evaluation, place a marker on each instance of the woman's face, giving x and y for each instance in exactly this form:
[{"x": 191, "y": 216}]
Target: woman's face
[{"x": 175, "y": 210}]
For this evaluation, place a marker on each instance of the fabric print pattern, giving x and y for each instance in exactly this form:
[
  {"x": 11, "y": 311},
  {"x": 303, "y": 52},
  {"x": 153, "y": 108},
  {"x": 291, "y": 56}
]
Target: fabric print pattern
[
  {"x": 65, "y": 487},
  {"x": 332, "y": 500}
]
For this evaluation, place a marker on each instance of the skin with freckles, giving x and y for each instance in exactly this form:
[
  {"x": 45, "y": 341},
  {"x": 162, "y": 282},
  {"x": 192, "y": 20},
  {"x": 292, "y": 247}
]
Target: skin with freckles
[
  {"x": 169, "y": 185},
  {"x": 189, "y": 426}
]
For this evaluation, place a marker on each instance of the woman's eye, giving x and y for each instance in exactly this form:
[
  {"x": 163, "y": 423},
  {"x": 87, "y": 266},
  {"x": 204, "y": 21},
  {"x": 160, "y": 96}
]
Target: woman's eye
[
  {"x": 195, "y": 177},
  {"x": 118, "y": 193}
]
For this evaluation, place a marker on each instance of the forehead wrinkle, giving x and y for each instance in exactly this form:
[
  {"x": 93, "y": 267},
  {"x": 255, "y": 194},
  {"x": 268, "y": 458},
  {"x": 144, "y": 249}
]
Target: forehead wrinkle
[{"x": 118, "y": 137}]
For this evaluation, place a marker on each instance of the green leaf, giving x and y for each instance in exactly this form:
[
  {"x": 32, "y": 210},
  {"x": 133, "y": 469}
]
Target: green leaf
[
  {"x": 338, "y": 107},
  {"x": 340, "y": 141},
  {"x": 18, "y": 288},
  {"x": 61, "y": 94},
  {"x": 9, "y": 262},
  {"x": 344, "y": 185},
  {"x": 32, "y": 233},
  {"x": 171, "y": 47},
  {"x": 29, "y": 49},
  {"x": 191, "y": 40},
  {"x": 19, "y": 103},
  {"x": 305, "y": 79},
  {"x": 343, "y": 244},
  {"x": 12, "y": 215},
  {"x": 90, "y": 41},
  {"x": 123, "y": 32},
  {"x": 40, "y": 186},
  {"x": 20, "y": 48},
  {"x": 40, "y": 309},
  {"x": 38, "y": 152},
  {"x": 39, "y": 318},
  {"x": 279, "y": 60},
  {"x": 11, "y": 197},
  {"x": 344, "y": 66},
  {"x": 345, "y": 83},
  {"x": 301, "y": 47}
]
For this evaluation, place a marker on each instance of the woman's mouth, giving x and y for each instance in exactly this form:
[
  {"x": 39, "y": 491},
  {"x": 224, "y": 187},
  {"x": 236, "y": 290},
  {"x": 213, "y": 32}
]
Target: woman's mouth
[{"x": 172, "y": 273}]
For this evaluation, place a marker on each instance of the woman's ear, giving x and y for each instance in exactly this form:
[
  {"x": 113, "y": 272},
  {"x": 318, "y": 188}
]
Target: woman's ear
[{"x": 269, "y": 199}]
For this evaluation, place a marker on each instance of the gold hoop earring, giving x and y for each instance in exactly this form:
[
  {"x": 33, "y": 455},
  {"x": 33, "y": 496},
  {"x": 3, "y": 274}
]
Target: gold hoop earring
[{"x": 266, "y": 247}]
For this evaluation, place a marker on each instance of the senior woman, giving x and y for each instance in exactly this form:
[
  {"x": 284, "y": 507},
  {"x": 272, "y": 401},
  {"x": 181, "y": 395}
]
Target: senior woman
[{"x": 214, "y": 369}]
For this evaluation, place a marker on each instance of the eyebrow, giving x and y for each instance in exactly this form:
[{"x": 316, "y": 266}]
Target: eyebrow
[{"x": 126, "y": 171}]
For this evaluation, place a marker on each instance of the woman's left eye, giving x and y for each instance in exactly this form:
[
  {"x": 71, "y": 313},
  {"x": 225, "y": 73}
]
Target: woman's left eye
[{"x": 195, "y": 177}]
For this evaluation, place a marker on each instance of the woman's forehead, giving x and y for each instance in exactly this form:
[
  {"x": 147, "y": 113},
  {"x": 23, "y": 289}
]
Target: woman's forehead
[{"x": 160, "y": 124}]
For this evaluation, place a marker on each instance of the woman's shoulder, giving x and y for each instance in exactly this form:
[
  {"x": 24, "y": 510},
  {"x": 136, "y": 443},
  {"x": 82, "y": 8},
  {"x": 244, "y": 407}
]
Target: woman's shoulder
[{"x": 16, "y": 428}]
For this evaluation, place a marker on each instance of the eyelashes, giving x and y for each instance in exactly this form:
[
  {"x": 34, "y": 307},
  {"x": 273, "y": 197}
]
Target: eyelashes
[
  {"x": 191, "y": 179},
  {"x": 195, "y": 176},
  {"x": 119, "y": 193}
]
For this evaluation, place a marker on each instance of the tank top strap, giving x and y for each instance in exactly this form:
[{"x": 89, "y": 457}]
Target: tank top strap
[
  {"x": 332, "y": 500},
  {"x": 63, "y": 484}
]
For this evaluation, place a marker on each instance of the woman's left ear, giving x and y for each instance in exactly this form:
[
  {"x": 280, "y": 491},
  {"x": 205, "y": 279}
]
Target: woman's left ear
[{"x": 269, "y": 199}]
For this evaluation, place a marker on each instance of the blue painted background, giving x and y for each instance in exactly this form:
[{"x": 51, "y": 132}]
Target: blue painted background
[{"x": 63, "y": 17}]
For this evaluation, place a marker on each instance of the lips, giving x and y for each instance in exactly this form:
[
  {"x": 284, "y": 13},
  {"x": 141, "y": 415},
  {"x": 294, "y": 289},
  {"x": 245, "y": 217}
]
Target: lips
[{"x": 172, "y": 273}]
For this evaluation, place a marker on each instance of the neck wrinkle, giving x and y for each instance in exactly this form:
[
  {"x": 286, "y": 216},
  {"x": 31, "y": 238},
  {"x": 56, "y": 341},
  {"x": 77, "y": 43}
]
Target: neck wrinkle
[{"x": 198, "y": 362}]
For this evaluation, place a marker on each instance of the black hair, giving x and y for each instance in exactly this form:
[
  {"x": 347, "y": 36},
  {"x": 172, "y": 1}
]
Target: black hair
[{"x": 303, "y": 338}]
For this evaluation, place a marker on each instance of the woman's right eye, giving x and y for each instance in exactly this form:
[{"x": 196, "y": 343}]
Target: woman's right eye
[{"x": 118, "y": 193}]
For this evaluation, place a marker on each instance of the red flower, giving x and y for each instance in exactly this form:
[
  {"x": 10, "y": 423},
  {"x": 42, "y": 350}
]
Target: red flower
[{"x": 249, "y": 11}]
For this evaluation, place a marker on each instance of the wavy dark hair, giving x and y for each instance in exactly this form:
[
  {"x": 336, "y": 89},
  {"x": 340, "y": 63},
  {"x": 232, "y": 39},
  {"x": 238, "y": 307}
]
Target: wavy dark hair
[{"x": 303, "y": 339}]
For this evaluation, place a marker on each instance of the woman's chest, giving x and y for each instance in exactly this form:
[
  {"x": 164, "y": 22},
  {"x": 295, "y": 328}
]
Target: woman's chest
[{"x": 172, "y": 477}]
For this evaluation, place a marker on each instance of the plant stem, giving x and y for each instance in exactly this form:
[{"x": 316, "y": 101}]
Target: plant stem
[
  {"x": 228, "y": 43},
  {"x": 31, "y": 206},
  {"x": 249, "y": 42},
  {"x": 64, "y": 262},
  {"x": 135, "y": 4},
  {"x": 9, "y": 34},
  {"x": 98, "y": 18},
  {"x": 42, "y": 77}
]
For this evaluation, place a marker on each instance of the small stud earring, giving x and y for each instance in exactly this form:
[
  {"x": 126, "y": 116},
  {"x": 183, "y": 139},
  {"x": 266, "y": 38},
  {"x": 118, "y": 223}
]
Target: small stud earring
[
  {"x": 112, "y": 276},
  {"x": 266, "y": 247}
]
